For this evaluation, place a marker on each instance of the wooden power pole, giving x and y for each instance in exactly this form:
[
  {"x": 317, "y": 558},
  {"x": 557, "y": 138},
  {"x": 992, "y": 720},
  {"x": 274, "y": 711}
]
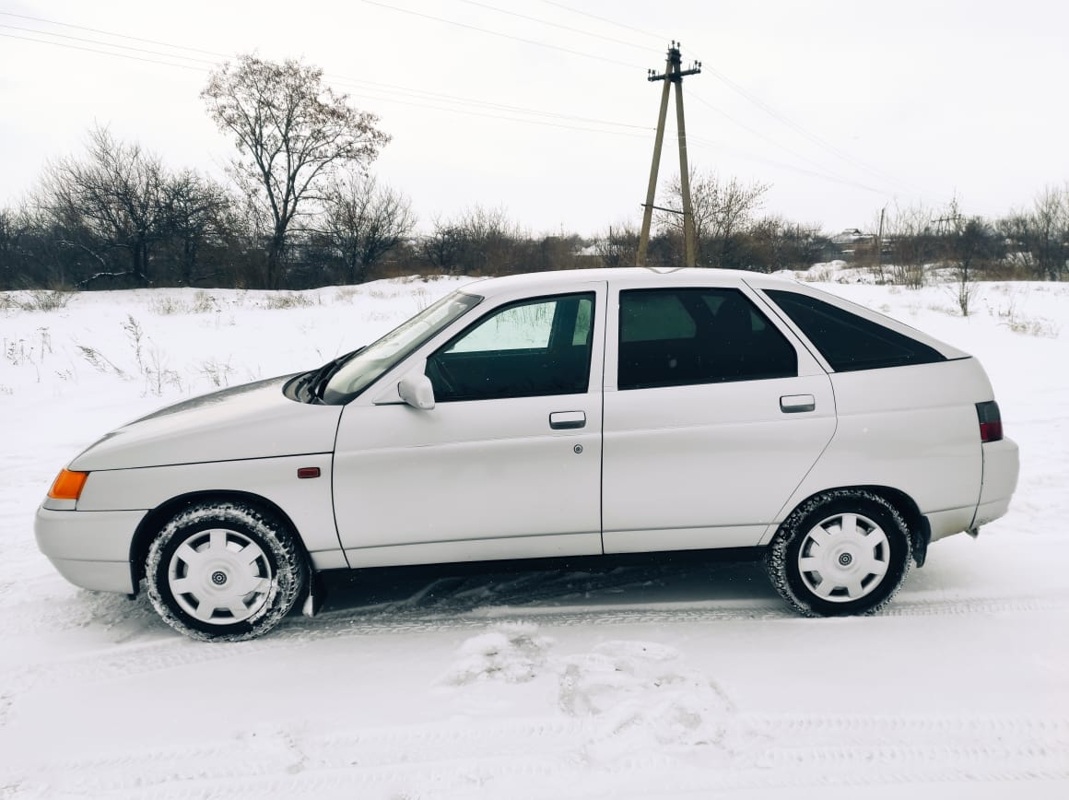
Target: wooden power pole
[{"x": 673, "y": 74}]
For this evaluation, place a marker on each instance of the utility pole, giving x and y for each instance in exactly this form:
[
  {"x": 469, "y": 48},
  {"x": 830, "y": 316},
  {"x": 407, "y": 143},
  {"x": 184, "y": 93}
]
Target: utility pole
[
  {"x": 673, "y": 74},
  {"x": 879, "y": 244}
]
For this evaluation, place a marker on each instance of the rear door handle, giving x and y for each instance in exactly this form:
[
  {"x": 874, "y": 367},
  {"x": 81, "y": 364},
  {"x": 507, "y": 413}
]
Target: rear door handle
[
  {"x": 564, "y": 420},
  {"x": 796, "y": 403}
]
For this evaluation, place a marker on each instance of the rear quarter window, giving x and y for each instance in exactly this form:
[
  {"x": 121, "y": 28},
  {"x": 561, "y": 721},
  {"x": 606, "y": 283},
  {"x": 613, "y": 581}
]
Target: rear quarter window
[{"x": 847, "y": 341}]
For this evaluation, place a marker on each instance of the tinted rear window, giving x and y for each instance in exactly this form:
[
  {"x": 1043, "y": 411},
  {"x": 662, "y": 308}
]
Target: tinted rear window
[{"x": 849, "y": 342}]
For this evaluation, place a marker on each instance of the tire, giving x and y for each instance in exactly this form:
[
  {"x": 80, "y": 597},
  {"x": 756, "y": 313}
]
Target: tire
[
  {"x": 224, "y": 572},
  {"x": 840, "y": 553}
]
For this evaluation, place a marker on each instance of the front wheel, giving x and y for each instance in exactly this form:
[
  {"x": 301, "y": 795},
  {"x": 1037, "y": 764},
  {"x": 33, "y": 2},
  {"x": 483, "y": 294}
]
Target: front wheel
[
  {"x": 841, "y": 552},
  {"x": 224, "y": 572}
]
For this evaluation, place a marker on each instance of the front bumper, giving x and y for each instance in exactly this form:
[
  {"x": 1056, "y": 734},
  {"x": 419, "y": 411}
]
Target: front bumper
[{"x": 90, "y": 549}]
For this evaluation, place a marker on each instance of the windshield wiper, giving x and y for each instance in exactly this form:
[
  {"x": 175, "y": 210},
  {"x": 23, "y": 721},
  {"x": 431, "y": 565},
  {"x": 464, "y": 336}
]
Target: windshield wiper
[{"x": 317, "y": 381}]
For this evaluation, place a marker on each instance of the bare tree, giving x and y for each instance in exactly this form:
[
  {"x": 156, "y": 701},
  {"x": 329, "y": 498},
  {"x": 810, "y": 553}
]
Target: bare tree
[
  {"x": 721, "y": 208},
  {"x": 911, "y": 243},
  {"x": 291, "y": 132},
  {"x": 114, "y": 198},
  {"x": 364, "y": 221},
  {"x": 774, "y": 243},
  {"x": 196, "y": 210},
  {"x": 494, "y": 240},
  {"x": 619, "y": 246},
  {"x": 970, "y": 244},
  {"x": 1046, "y": 232},
  {"x": 14, "y": 226},
  {"x": 445, "y": 247},
  {"x": 479, "y": 241}
]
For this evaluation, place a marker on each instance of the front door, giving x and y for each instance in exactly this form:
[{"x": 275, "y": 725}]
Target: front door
[{"x": 508, "y": 462}]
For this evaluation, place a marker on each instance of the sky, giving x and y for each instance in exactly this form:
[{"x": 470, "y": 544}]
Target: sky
[{"x": 541, "y": 108}]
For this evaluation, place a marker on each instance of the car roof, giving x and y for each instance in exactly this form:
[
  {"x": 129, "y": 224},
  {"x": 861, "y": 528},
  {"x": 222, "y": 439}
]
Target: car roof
[
  {"x": 563, "y": 279},
  {"x": 534, "y": 283}
]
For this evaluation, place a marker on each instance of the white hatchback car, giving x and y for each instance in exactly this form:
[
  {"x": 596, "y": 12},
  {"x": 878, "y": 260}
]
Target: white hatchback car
[{"x": 563, "y": 414}]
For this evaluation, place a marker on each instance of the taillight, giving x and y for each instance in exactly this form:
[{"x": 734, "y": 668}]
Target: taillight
[
  {"x": 68, "y": 485},
  {"x": 990, "y": 421}
]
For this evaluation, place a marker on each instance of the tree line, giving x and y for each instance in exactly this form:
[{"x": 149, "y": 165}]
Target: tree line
[{"x": 301, "y": 208}]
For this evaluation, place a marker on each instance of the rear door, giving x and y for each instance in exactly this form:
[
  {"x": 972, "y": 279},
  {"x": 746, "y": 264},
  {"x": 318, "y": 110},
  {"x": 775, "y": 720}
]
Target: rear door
[{"x": 713, "y": 416}]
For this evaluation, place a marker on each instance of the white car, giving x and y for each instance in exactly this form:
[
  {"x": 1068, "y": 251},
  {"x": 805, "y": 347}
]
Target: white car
[{"x": 562, "y": 414}]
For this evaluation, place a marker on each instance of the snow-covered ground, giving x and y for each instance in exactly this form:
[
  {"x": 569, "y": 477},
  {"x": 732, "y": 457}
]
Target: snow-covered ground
[{"x": 680, "y": 681}]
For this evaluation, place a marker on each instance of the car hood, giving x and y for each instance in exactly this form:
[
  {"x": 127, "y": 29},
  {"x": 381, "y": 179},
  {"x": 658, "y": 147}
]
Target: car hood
[{"x": 251, "y": 421}]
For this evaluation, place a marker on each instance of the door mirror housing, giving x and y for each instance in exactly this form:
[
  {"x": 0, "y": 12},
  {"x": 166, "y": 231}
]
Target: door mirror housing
[{"x": 416, "y": 390}]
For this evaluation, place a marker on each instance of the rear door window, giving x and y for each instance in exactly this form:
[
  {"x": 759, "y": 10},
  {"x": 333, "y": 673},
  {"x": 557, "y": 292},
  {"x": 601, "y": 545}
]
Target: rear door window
[{"x": 676, "y": 337}]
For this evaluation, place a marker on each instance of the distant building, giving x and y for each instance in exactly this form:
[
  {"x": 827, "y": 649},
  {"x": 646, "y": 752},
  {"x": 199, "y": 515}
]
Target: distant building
[{"x": 850, "y": 240}]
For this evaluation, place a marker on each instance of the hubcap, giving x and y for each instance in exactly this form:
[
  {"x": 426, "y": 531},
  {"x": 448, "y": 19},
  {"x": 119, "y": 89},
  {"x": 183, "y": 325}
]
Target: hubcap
[
  {"x": 844, "y": 558},
  {"x": 219, "y": 576}
]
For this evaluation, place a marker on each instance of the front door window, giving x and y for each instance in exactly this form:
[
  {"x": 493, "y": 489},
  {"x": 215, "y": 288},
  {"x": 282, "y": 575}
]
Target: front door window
[{"x": 533, "y": 348}]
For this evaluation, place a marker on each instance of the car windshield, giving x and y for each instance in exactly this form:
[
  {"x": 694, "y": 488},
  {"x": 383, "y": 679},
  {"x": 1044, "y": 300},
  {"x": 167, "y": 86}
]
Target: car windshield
[{"x": 369, "y": 364}]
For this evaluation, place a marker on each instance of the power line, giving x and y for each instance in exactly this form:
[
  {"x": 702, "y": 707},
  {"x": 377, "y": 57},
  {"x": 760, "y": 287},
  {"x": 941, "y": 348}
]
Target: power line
[
  {"x": 436, "y": 96},
  {"x": 105, "y": 44},
  {"x": 104, "y": 52},
  {"x": 339, "y": 79},
  {"x": 168, "y": 59},
  {"x": 110, "y": 33},
  {"x": 805, "y": 132},
  {"x": 659, "y": 37},
  {"x": 822, "y": 169},
  {"x": 548, "y": 23},
  {"x": 821, "y": 174},
  {"x": 761, "y": 104},
  {"x": 557, "y": 120},
  {"x": 498, "y": 116},
  {"x": 489, "y": 32}
]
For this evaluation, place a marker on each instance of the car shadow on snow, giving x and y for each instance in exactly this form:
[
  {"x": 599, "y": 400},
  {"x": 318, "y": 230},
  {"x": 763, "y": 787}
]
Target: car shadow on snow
[{"x": 554, "y": 586}]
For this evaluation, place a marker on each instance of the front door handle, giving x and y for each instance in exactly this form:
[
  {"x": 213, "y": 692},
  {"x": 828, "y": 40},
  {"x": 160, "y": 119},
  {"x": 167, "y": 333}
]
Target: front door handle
[
  {"x": 565, "y": 420},
  {"x": 796, "y": 403}
]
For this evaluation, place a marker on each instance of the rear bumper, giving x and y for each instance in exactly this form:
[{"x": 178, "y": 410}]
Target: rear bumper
[
  {"x": 90, "y": 549},
  {"x": 1002, "y": 465}
]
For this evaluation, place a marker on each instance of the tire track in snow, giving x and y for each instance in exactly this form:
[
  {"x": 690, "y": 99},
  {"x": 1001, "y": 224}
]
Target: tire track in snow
[
  {"x": 169, "y": 652},
  {"x": 444, "y": 760}
]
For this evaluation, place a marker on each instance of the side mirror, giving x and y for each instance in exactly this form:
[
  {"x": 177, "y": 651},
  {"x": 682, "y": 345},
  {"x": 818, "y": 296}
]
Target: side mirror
[{"x": 416, "y": 390}]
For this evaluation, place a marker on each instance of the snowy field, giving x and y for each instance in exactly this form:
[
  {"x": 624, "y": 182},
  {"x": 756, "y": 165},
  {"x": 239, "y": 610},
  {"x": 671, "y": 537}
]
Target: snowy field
[{"x": 686, "y": 681}]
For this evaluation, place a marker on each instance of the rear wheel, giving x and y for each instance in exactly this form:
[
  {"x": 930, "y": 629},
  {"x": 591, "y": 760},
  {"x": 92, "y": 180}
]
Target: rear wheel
[
  {"x": 841, "y": 552},
  {"x": 224, "y": 571}
]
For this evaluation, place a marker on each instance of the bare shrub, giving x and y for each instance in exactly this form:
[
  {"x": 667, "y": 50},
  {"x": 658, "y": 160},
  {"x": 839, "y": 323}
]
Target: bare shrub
[
  {"x": 166, "y": 306},
  {"x": 158, "y": 374},
  {"x": 98, "y": 360},
  {"x": 217, "y": 372},
  {"x": 204, "y": 303},
  {"x": 35, "y": 300},
  {"x": 287, "y": 300},
  {"x": 135, "y": 335}
]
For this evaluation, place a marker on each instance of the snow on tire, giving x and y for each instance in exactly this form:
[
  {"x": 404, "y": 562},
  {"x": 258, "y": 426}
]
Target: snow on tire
[
  {"x": 841, "y": 552},
  {"x": 224, "y": 572}
]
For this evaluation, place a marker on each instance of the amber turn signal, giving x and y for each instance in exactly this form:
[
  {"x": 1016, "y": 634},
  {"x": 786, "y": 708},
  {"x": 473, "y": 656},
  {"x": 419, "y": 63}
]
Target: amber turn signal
[{"x": 67, "y": 485}]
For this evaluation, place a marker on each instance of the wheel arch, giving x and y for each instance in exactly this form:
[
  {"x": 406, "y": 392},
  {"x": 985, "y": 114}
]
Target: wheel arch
[
  {"x": 155, "y": 519},
  {"x": 920, "y": 531}
]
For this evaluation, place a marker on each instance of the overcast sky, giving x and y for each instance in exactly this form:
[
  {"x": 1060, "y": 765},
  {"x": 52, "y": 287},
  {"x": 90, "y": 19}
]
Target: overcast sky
[{"x": 542, "y": 107}]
